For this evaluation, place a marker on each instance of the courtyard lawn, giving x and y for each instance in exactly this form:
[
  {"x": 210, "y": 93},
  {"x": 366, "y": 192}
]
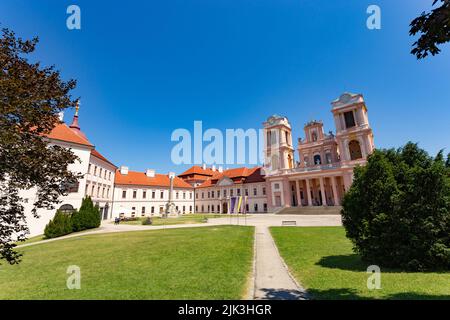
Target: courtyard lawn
[
  {"x": 322, "y": 260},
  {"x": 184, "y": 219},
  {"x": 189, "y": 263}
]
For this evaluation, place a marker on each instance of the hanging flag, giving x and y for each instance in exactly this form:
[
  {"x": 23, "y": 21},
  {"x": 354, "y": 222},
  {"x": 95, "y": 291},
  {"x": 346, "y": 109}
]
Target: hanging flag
[
  {"x": 238, "y": 210},
  {"x": 232, "y": 204},
  {"x": 244, "y": 205}
]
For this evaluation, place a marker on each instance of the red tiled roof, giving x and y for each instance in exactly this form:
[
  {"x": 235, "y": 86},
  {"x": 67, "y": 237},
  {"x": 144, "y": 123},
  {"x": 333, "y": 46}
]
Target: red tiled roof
[
  {"x": 238, "y": 175},
  {"x": 63, "y": 133},
  {"x": 97, "y": 154},
  {"x": 141, "y": 179},
  {"x": 197, "y": 170}
]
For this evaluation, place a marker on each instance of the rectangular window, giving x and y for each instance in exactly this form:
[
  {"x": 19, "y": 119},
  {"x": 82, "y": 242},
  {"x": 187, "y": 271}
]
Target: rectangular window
[
  {"x": 212, "y": 194},
  {"x": 153, "y": 210},
  {"x": 144, "y": 194},
  {"x": 349, "y": 119},
  {"x": 143, "y": 211},
  {"x": 124, "y": 194},
  {"x": 184, "y": 195},
  {"x": 255, "y": 191},
  {"x": 265, "y": 207},
  {"x": 264, "y": 191},
  {"x": 246, "y": 192},
  {"x": 256, "y": 207},
  {"x": 154, "y": 194},
  {"x": 238, "y": 192},
  {"x": 134, "y": 194},
  {"x": 162, "y": 194}
]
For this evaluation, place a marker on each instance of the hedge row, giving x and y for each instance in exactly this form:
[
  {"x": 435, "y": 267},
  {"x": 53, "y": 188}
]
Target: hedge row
[{"x": 87, "y": 217}]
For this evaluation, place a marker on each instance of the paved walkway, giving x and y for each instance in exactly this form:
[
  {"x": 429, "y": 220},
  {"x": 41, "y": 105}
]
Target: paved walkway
[{"x": 272, "y": 278}]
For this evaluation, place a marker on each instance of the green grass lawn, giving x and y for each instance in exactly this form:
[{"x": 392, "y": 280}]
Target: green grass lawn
[
  {"x": 188, "y": 263},
  {"x": 321, "y": 258},
  {"x": 184, "y": 219}
]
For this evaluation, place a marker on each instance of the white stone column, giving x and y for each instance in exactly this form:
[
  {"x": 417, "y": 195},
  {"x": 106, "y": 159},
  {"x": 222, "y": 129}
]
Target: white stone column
[
  {"x": 322, "y": 190},
  {"x": 308, "y": 191},
  {"x": 335, "y": 194},
  {"x": 299, "y": 200}
]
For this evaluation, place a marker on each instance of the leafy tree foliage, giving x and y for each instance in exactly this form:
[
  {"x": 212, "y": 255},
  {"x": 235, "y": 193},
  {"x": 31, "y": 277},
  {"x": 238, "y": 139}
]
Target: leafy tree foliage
[
  {"x": 87, "y": 217},
  {"x": 434, "y": 28},
  {"x": 397, "y": 212},
  {"x": 31, "y": 97},
  {"x": 59, "y": 226}
]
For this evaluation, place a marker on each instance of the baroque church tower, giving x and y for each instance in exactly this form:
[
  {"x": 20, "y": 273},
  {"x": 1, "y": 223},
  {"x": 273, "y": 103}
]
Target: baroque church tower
[
  {"x": 353, "y": 133},
  {"x": 278, "y": 151}
]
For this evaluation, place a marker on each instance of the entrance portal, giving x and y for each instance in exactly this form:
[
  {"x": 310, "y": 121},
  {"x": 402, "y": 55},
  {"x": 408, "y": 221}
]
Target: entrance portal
[{"x": 225, "y": 207}]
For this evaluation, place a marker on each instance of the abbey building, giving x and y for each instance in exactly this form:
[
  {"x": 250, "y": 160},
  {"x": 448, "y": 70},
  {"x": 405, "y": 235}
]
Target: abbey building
[{"x": 314, "y": 173}]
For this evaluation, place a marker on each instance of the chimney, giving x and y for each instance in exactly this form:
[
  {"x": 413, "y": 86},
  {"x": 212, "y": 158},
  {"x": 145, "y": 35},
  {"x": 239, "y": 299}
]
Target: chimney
[
  {"x": 123, "y": 170},
  {"x": 204, "y": 166},
  {"x": 150, "y": 173},
  {"x": 61, "y": 116},
  {"x": 214, "y": 167},
  {"x": 220, "y": 169}
]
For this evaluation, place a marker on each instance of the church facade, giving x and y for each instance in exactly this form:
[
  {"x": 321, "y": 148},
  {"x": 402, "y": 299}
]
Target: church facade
[{"x": 324, "y": 171}]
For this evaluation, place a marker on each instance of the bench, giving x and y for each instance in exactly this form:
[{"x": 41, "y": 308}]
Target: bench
[{"x": 289, "y": 223}]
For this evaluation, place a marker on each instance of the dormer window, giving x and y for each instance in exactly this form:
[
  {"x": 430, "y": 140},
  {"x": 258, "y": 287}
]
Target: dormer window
[{"x": 349, "y": 119}]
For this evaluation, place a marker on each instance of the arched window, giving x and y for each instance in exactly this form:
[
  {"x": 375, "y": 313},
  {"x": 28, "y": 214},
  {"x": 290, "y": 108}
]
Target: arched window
[
  {"x": 66, "y": 208},
  {"x": 274, "y": 162},
  {"x": 317, "y": 159},
  {"x": 355, "y": 150},
  {"x": 328, "y": 157},
  {"x": 290, "y": 162}
]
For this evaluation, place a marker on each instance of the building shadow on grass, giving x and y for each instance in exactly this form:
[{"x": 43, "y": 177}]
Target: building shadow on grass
[
  {"x": 284, "y": 294},
  {"x": 352, "y": 294}
]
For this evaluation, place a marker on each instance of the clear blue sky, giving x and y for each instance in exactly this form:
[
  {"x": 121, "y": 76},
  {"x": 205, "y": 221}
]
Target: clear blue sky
[{"x": 145, "y": 68}]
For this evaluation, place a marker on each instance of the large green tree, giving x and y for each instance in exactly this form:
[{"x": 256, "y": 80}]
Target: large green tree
[
  {"x": 31, "y": 96},
  {"x": 397, "y": 211},
  {"x": 434, "y": 29}
]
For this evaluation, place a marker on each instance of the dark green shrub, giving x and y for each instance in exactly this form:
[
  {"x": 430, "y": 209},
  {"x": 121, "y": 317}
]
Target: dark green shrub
[
  {"x": 147, "y": 221},
  {"x": 397, "y": 212},
  {"x": 87, "y": 217},
  {"x": 60, "y": 225}
]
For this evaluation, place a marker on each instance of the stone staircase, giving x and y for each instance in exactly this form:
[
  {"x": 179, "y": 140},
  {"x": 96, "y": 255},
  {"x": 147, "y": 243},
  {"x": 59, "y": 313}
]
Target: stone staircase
[{"x": 311, "y": 210}]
